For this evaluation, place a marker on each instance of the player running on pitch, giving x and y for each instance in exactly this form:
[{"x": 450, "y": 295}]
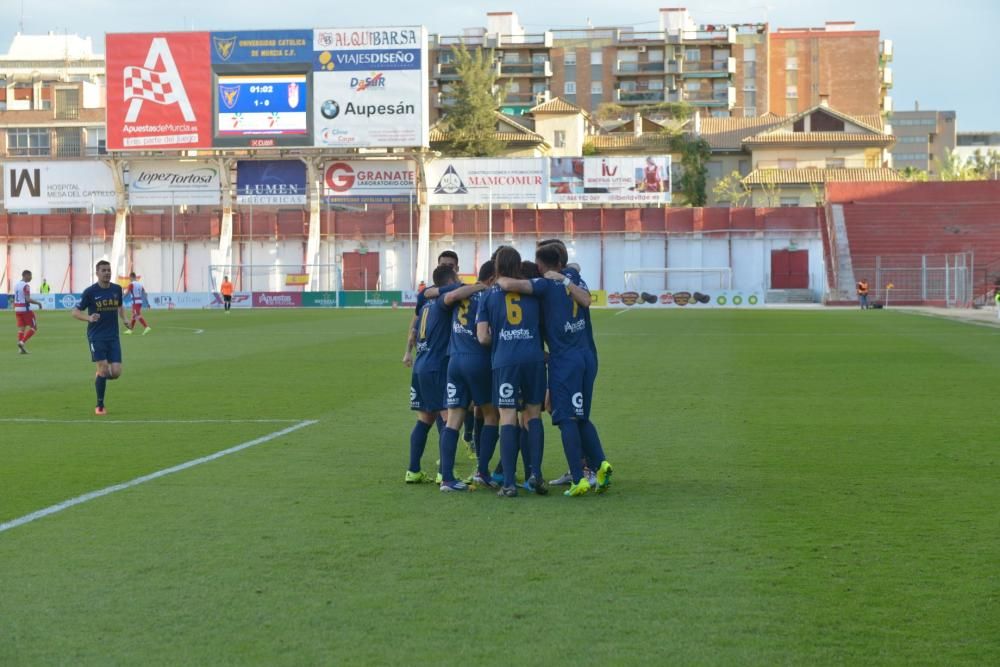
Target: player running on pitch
[
  {"x": 102, "y": 302},
  {"x": 27, "y": 325},
  {"x": 138, "y": 292}
]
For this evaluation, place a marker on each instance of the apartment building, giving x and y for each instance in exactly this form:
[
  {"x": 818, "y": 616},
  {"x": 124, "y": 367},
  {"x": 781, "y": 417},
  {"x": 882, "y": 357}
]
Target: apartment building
[
  {"x": 847, "y": 67},
  {"x": 52, "y": 97},
  {"x": 722, "y": 70},
  {"x": 968, "y": 143},
  {"x": 923, "y": 139}
]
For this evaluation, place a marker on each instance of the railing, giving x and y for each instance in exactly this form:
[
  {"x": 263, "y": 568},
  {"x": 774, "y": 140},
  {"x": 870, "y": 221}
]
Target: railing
[
  {"x": 526, "y": 69},
  {"x": 458, "y": 40},
  {"x": 629, "y": 36},
  {"x": 521, "y": 98},
  {"x": 639, "y": 68},
  {"x": 544, "y": 39},
  {"x": 814, "y": 164},
  {"x": 727, "y": 65},
  {"x": 641, "y": 96},
  {"x": 724, "y": 35}
]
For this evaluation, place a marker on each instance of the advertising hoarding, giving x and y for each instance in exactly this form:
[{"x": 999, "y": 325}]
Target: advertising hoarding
[
  {"x": 58, "y": 184},
  {"x": 159, "y": 91},
  {"x": 454, "y": 181},
  {"x": 271, "y": 182},
  {"x": 370, "y": 182},
  {"x": 610, "y": 180},
  {"x": 170, "y": 183},
  {"x": 686, "y": 299},
  {"x": 370, "y": 87}
]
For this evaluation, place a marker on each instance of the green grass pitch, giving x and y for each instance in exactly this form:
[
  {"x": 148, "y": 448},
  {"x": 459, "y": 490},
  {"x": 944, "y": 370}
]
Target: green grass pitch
[{"x": 791, "y": 487}]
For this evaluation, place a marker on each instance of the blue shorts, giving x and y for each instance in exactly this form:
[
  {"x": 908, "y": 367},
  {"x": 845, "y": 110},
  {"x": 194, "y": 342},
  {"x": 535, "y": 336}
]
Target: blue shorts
[
  {"x": 469, "y": 380},
  {"x": 106, "y": 350},
  {"x": 566, "y": 385},
  {"x": 520, "y": 381},
  {"x": 427, "y": 390}
]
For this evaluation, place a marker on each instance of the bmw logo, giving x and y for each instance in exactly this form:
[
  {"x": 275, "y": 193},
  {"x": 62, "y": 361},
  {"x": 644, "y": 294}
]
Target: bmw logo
[{"x": 330, "y": 109}]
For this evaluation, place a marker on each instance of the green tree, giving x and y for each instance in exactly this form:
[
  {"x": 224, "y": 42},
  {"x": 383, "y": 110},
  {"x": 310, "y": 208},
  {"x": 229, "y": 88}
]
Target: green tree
[
  {"x": 674, "y": 110},
  {"x": 732, "y": 190},
  {"x": 471, "y": 120},
  {"x": 952, "y": 169},
  {"x": 913, "y": 174},
  {"x": 695, "y": 152},
  {"x": 610, "y": 111},
  {"x": 985, "y": 166}
]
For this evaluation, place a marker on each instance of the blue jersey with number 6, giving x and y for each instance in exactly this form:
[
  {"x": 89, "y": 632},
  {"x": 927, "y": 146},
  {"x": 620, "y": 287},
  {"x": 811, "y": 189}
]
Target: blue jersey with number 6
[{"x": 514, "y": 320}]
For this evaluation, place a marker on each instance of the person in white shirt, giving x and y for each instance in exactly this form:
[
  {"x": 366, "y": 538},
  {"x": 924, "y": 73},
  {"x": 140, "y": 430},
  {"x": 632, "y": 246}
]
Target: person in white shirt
[
  {"x": 138, "y": 292},
  {"x": 27, "y": 325}
]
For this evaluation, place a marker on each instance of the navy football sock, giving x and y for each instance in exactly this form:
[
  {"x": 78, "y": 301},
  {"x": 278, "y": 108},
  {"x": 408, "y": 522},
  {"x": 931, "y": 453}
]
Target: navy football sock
[
  {"x": 522, "y": 444},
  {"x": 101, "y": 384},
  {"x": 477, "y": 433},
  {"x": 487, "y": 445},
  {"x": 591, "y": 444},
  {"x": 418, "y": 440},
  {"x": 470, "y": 423},
  {"x": 449, "y": 443},
  {"x": 439, "y": 422},
  {"x": 570, "y": 430},
  {"x": 508, "y": 452},
  {"x": 536, "y": 446}
]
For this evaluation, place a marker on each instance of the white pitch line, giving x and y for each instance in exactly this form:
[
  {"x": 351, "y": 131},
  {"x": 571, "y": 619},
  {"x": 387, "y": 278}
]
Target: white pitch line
[
  {"x": 99, "y": 420},
  {"x": 79, "y": 500}
]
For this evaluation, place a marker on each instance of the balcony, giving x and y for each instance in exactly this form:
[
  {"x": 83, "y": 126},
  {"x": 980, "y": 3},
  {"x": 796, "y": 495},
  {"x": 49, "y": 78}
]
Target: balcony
[
  {"x": 725, "y": 97},
  {"x": 623, "y": 68},
  {"x": 525, "y": 69},
  {"x": 708, "y": 33},
  {"x": 709, "y": 69},
  {"x": 444, "y": 100},
  {"x": 522, "y": 99},
  {"x": 510, "y": 41},
  {"x": 646, "y": 96},
  {"x": 446, "y": 71},
  {"x": 448, "y": 41},
  {"x": 885, "y": 50},
  {"x": 887, "y": 77},
  {"x": 630, "y": 37}
]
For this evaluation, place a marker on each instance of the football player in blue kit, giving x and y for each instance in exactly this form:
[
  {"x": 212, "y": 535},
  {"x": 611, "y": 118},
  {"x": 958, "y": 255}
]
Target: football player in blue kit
[
  {"x": 101, "y": 306},
  {"x": 572, "y": 361},
  {"x": 509, "y": 324},
  {"x": 469, "y": 376}
]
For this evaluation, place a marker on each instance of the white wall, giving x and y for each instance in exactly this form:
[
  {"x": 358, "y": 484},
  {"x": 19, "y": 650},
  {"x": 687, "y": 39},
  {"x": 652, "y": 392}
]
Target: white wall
[{"x": 749, "y": 258}]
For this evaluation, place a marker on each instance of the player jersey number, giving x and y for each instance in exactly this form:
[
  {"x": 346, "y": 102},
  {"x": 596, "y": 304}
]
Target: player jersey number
[
  {"x": 514, "y": 313},
  {"x": 576, "y": 306},
  {"x": 423, "y": 323},
  {"x": 463, "y": 313}
]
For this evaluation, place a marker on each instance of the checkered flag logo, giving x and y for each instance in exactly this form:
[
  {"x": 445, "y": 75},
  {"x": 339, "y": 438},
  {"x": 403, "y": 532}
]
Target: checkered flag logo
[
  {"x": 146, "y": 84},
  {"x": 157, "y": 81}
]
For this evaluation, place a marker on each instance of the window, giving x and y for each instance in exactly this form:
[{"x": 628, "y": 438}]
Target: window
[
  {"x": 655, "y": 55},
  {"x": 446, "y": 57},
  {"x": 919, "y": 139},
  {"x": 28, "y": 141},
  {"x": 560, "y": 139},
  {"x": 67, "y": 103},
  {"x": 513, "y": 86},
  {"x": 744, "y": 167},
  {"x": 693, "y": 55},
  {"x": 791, "y": 63},
  {"x": 655, "y": 84},
  {"x": 787, "y": 163},
  {"x": 792, "y": 78},
  {"x": 749, "y": 112},
  {"x": 750, "y": 54},
  {"x": 540, "y": 87},
  {"x": 791, "y": 106},
  {"x": 628, "y": 55},
  {"x": 750, "y": 85},
  {"x": 570, "y": 88},
  {"x": 749, "y": 99},
  {"x": 750, "y": 70},
  {"x": 791, "y": 92},
  {"x": 95, "y": 141},
  {"x": 720, "y": 113},
  {"x": 67, "y": 142},
  {"x": 692, "y": 86},
  {"x": 789, "y": 202},
  {"x": 596, "y": 88},
  {"x": 791, "y": 47},
  {"x": 628, "y": 86},
  {"x": 539, "y": 58},
  {"x": 596, "y": 57},
  {"x": 569, "y": 58},
  {"x": 835, "y": 163}
]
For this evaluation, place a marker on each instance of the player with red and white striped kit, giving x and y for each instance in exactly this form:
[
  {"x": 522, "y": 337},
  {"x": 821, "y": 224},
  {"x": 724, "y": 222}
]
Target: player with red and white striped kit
[
  {"x": 138, "y": 292},
  {"x": 26, "y": 323}
]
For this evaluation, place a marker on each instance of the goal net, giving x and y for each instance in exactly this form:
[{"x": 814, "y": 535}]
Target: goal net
[{"x": 676, "y": 279}]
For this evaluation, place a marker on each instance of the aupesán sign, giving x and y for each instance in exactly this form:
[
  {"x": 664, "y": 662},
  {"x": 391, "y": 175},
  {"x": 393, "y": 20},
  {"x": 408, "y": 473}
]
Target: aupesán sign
[{"x": 379, "y": 109}]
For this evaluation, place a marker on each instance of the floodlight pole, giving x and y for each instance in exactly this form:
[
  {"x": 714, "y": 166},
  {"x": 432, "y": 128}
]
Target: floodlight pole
[{"x": 173, "y": 256}]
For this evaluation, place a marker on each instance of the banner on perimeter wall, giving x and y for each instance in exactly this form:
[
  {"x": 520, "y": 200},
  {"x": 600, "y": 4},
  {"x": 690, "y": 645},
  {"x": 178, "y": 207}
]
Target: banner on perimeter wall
[
  {"x": 181, "y": 300},
  {"x": 277, "y": 299},
  {"x": 319, "y": 299},
  {"x": 686, "y": 299},
  {"x": 4, "y": 301},
  {"x": 67, "y": 301},
  {"x": 371, "y": 299},
  {"x": 240, "y": 300}
]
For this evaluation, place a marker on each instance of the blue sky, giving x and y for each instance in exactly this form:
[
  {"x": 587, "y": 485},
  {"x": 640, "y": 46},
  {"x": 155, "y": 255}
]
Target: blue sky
[{"x": 947, "y": 59}]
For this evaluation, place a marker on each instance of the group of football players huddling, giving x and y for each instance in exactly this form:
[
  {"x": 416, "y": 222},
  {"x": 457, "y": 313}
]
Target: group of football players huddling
[{"x": 481, "y": 365}]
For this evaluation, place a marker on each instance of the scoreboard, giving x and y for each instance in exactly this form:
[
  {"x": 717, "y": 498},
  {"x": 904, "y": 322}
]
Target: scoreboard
[{"x": 263, "y": 104}]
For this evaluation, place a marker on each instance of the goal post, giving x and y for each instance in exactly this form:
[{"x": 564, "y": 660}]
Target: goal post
[
  {"x": 279, "y": 277},
  {"x": 679, "y": 278}
]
